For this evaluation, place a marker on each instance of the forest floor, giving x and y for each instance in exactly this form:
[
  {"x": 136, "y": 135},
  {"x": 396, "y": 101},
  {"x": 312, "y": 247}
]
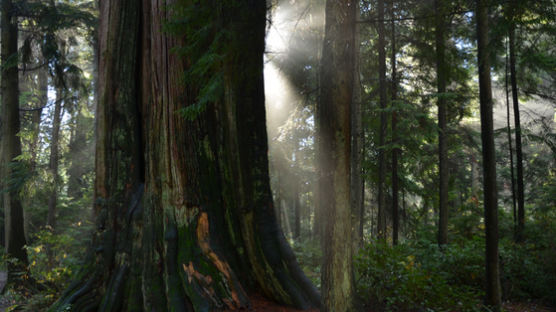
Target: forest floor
[
  {"x": 261, "y": 304},
  {"x": 526, "y": 307}
]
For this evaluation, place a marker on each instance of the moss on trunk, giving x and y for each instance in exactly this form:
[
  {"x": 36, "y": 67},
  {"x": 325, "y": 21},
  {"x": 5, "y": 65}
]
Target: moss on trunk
[{"x": 185, "y": 215}]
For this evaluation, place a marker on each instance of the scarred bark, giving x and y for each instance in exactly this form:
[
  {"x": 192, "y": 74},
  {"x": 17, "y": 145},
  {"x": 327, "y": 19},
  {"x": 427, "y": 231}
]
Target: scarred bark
[{"x": 185, "y": 214}]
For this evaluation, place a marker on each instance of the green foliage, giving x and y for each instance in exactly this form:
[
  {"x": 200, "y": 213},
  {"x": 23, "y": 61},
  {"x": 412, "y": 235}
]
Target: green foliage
[
  {"x": 52, "y": 260},
  {"x": 420, "y": 276},
  {"x": 309, "y": 256},
  {"x": 528, "y": 269},
  {"x": 204, "y": 46},
  {"x": 407, "y": 278}
]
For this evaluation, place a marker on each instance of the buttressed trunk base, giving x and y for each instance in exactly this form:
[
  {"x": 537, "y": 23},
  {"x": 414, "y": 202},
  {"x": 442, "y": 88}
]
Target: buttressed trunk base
[{"x": 185, "y": 214}]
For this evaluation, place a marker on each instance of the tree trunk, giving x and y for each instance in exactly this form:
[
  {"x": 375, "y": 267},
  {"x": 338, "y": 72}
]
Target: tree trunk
[
  {"x": 493, "y": 293},
  {"x": 518, "y": 148},
  {"x": 286, "y": 226},
  {"x": 297, "y": 214},
  {"x": 514, "y": 209},
  {"x": 53, "y": 161},
  {"x": 395, "y": 150},
  {"x": 42, "y": 80},
  {"x": 356, "y": 143},
  {"x": 362, "y": 212},
  {"x": 185, "y": 214},
  {"x": 11, "y": 143},
  {"x": 381, "y": 224},
  {"x": 441, "y": 81},
  {"x": 336, "y": 95},
  {"x": 79, "y": 152}
]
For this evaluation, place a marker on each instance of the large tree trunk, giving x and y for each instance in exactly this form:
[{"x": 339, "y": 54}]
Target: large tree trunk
[
  {"x": 185, "y": 214},
  {"x": 441, "y": 81},
  {"x": 381, "y": 224},
  {"x": 336, "y": 93},
  {"x": 493, "y": 292},
  {"x": 518, "y": 148},
  {"x": 11, "y": 143},
  {"x": 395, "y": 149}
]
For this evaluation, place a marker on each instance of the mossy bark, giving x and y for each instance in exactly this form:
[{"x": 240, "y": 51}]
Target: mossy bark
[{"x": 185, "y": 214}]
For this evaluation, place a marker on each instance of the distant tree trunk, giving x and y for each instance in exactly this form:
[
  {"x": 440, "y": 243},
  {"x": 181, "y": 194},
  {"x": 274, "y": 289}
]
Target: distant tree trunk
[
  {"x": 518, "y": 148},
  {"x": 11, "y": 143},
  {"x": 297, "y": 214},
  {"x": 54, "y": 157},
  {"x": 286, "y": 225},
  {"x": 356, "y": 144},
  {"x": 336, "y": 95},
  {"x": 493, "y": 293},
  {"x": 79, "y": 152},
  {"x": 381, "y": 224},
  {"x": 42, "y": 79},
  {"x": 395, "y": 150},
  {"x": 475, "y": 179},
  {"x": 278, "y": 201},
  {"x": 510, "y": 147},
  {"x": 362, "y": 212},
  {"x": 185, "y": 214},
  {"x": 441, "y": 81}
]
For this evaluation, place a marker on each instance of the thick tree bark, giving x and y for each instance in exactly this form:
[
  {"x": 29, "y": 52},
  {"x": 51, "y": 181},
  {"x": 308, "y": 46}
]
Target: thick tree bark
[
  {"x": 441, "y": 81},
  {"x": 11, "y": 143},
  {"x": 518, "y": 147},
  {"x": 493, "y": 291},
  {"x": 336, "y": 94},
  {"x": 381, "y": 224},
  {"x": 185, "y": 214},
  {"x": 395, "y": 150}
]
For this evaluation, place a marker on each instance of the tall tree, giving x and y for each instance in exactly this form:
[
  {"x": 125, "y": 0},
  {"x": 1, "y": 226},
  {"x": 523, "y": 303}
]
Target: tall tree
[
  {"x": 185, "y": 214},
  {"x": 395, "y": 149},
  {"x": 11, "y": 143},
  {"x": 381, "y": 224},
  {"x": 517, "y": 125},
  {"x": 54, "y": 156},
  {"x": 441, "y": 81},
  {"x": 357, "y": 143},
  {"x": 336, "y": 95},
  {"x": 509, "y": 132},
  {"x": 490, "y": 197}
]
